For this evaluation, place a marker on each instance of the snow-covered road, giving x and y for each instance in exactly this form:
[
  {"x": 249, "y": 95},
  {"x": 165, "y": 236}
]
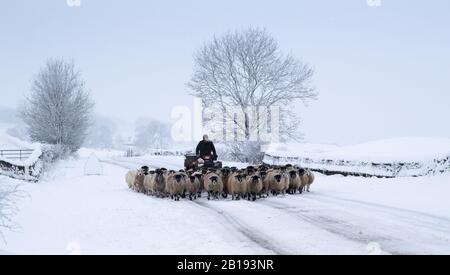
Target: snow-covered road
[{"x": 69, "y": 213}]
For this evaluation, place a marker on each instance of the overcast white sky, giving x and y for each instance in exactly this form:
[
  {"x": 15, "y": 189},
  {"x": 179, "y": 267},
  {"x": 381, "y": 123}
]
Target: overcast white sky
[{"x": 381, "y": 71}]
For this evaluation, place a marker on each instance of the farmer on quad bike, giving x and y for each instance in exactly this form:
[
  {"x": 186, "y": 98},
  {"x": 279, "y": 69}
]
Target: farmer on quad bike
[{"x": 206, "y": 152}]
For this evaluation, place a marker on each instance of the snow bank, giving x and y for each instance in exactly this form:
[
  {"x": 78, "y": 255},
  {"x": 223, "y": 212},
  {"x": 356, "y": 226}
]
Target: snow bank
[{"x": 390, "y": 157}]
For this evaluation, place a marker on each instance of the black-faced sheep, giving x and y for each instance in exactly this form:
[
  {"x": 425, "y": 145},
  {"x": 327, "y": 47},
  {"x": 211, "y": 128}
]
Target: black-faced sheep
[
  {"x": 176, "y": 185},
  {"x": 213, "y": 185},
  {"x": 193, "y": 186},
  {"x": 159, "y": 183},
  {"x": 149, "y": 181},
  {"x": 265, "y": 183},
  {"x": 278, "y": 182},
  {"x": 295, "y": 182},
  {"x": 254, "y": 186},
  {"x": 225, "y": 175},
  {"x": 237, "y": 185}
]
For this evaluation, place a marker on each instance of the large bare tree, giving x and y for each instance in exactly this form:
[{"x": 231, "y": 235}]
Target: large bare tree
[
  {"x": 58, "y": 110},
  {"x": 247, "y": 69}
]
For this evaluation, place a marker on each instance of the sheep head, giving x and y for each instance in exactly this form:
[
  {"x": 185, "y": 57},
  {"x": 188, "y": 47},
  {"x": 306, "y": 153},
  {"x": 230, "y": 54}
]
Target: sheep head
[
  {"x": 255, "y": 179},
  {"x": 239, "y": 177},
  {"x": 178, "y": 177},
  {"x": 301, "y": 171},
  {"x": 278, "y": 178},
  {"x": 293, "y": 174}
]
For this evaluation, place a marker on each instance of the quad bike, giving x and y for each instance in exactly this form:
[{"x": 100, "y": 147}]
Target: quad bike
[{"x": 195, "y": 162}]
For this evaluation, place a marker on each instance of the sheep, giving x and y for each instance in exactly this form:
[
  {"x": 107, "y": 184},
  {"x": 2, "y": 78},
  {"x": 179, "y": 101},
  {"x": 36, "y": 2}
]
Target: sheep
[
  {"x": 139, "y": 181},
  {"x": 159, "y": 183},
  {"x": 135, "y": 180},
  {"x": 278, "y": 182},
  {"x": 304, "y": 179},
  {"x": 295, "y": 182},
  {"x": 149, "y": 180},
  {"x": 237, "y": 185},
  {"x": 225, "y": 174},
  {"x": 199, "y": 177},
  {"x": 213, "y": 185},
  {"x": 254, "y": 186},
  {"x": 176, "y": 183},
  {"x": 311, "y": 178},
  {"x": 130, "y": 177},
  {"x": 265, "y": 183},
  {"x": 193, "y": 186}
]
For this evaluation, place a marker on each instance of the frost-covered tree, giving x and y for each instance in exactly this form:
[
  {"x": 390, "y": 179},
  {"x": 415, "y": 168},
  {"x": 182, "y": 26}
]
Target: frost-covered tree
[
  {"x": 246, "y": 69},
  {"x": 152, "y": 134},
  {"x": 58, "y": 110}
]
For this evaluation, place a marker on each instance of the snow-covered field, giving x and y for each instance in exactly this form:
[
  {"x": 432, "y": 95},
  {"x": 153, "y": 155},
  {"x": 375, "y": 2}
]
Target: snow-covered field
[{"x": 68, "y": 212}]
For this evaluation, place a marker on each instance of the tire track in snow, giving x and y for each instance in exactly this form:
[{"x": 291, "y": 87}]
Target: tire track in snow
[
  {"x": 402, "y": 231},
  {"x": 121, "y": 165},
  {"x": 429, "y": 221},
  {"x": 250, "y": 233},
  {"x": 332, "y": 225}
]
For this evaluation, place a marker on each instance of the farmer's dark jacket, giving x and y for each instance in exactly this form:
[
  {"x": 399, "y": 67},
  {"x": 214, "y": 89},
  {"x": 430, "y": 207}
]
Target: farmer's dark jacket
[{"x": 204, "y": 148}]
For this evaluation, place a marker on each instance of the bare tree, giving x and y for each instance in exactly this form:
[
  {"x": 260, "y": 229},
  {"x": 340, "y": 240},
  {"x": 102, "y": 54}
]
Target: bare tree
[
  {"x": 247, "y": 69},
  {"x": 58, "y": 111}
]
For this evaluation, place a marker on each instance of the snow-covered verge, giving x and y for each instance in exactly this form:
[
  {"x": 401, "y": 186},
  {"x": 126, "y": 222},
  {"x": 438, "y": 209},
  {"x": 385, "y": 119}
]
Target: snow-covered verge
[
  {"x": 386, "y": 158},
  {"x": 25, "y": 169},
  {"x": 69, "y": 212}
]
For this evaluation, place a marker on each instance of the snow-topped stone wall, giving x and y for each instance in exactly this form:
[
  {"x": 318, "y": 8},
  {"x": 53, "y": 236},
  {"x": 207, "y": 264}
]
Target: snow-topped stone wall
[{"x": 406, "y": 157}]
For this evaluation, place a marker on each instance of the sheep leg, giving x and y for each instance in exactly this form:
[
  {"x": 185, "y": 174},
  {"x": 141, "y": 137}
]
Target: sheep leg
[{"x": 209, "y": 195}]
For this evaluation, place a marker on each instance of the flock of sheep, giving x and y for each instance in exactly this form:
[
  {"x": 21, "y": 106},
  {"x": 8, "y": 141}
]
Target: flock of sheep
[{"x": 249, "y": 183}]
